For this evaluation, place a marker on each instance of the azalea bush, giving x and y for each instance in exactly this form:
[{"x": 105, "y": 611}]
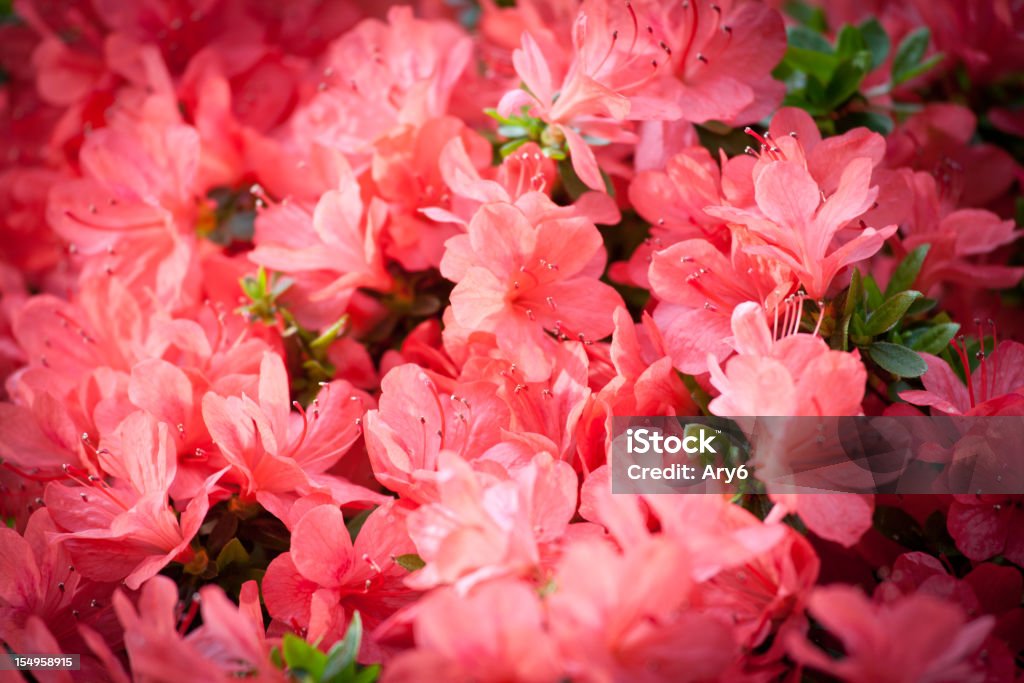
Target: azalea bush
[{"x": 315, "y": 318}]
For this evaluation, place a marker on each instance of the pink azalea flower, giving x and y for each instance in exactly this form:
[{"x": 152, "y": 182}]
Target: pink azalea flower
[
  {"x": 962, "y": 242},
  {"x": 799, "y": 223},
  {"x": 608, "y": 80},
  {"x": 795, "y": 375},
  {"x": 421, "y": 415},
  {"x": 230, "y": 643},
  {"x": 380, "y": 75},
  {"x": 126, "y": 530},
  {"x": 700, "y": 287},
  {"x": 609, "y": 626},
  {"x": 525, "y": 270},
  {"x": 91, "y": 368},
  {"x": 330, "y": 250},
  {"x": 134, "y": 209},
  {"x": 408, "y": 170},
  {"x": 40, "y": 582},
  {"x": 753, "y": 575},
  {"x": 526, "y": 170},
  {"x": 672, "y": 200},
  {"x": 987, "y": 525},
  {"x": 491, "y": 522},
  {"x": 459, "y": 639},
  {"x": 278, "y": 455},
  {"x": 914, "y": 639},
  {"x": 316, "y": 586},
  {"x": 996, "y": 386},
  {"x": 724, "y": 54},
  {"x": 938, "y": 140}
]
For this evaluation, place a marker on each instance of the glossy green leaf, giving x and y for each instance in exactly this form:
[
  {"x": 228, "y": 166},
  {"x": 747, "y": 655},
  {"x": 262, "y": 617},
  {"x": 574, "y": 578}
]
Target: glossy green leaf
[
  {"x": 899, "y": 360},
  {"x": 886, "y": 316},
  {"x": 233, "y": 552},
  {"x": 909, "y": 54},
  {"x": 876, "y": 40},
  {"x": 410, "y": 562},
  {"x": 933, "y": 339},
  {"x": 341, "y": 658},
  {"x": 907, "y": 271}
]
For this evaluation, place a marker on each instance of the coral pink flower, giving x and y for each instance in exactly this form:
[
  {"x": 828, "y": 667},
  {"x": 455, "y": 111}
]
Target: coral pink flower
[
  {"x": 380, "y": 75},
  {"x": 408, "y": 170},
  {"x": 985, "y": 39},
  {"x": 795, "y": 375},
  {"x": 962, "y": 242},
  {"x": 330, "y": 250},
  {"x": 316, "y": 586},
  {"x": 135, "y": 207},
  {"x": 672, "y": 200},
  {"x": 996, "y": 386},
  {"x": 491, "y": 522},
  {"x": 984, "y": 526},
  {"x": 724, "y": 54},
  {"x": 459, "y": 639},
  {"x": 278, "y": 455},
  {"x": 97, "y": 360},
  {"x": 126, "y": 530},
  {"x": 419, "y": 416},
  {"x": 839, "y": 517},
  {"x": 39, "y": 580},
  {"x": 799, "y": 223},
  {"x": 525, "y": 270},
  {"x": 608, "y": 80},
  {"x": 700, "y": 287},
  {"x": 938, "y": 140},
  {"x": 914, "y": 639},
  {"x": 526, "y": 170},
  {"x": 609, "y": 625},
  {"x": 750, "y": 574},
  {"x": 230, "y": 643}
]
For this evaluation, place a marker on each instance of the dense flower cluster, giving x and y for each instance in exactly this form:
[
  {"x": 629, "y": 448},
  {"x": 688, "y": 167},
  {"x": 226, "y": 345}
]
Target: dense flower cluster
[{"x": 314, "y": 318}]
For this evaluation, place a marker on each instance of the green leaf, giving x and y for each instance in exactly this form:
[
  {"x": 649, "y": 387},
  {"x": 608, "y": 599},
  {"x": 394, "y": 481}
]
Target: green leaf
[
  {"x": 855, "y": 294},
  {"x": 410, "y": 562},
  {"x": 341, "y": 658},
  {"x": 356, "y": 522},
  {"x": 909, "y": 54},
  {"x": 302, "y": 657},
  {"x": 849, "y": 41},
  {"x": 807, "y": 39},
  {"x": 906, "y": 272},
  {"x": 925, "y": 66},
  {"x": 233, "y": 552},
  {"x": 899, "y": 360},
  {"x": 845, "y": 81},
  {"x": 570, "y": 181},
  {"x": 922, "y": 305},
  {"x": 817, "y": 64},
  {"x": 885, "y": 317},
  {"x": 369, "y": 674},
  {"x": 512, "y": 146},
  {"x": 872, "y": 293},
  {"x": 811, "y": 17},
  {"x": 934, "y": 339},
  {"x": 876, "y": 40},
  {"x": 328, "y": 336}
]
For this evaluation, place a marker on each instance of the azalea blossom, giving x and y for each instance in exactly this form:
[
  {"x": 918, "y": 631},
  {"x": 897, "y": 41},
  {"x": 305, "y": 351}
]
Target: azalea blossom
[{"x": 528, "y": 273}]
